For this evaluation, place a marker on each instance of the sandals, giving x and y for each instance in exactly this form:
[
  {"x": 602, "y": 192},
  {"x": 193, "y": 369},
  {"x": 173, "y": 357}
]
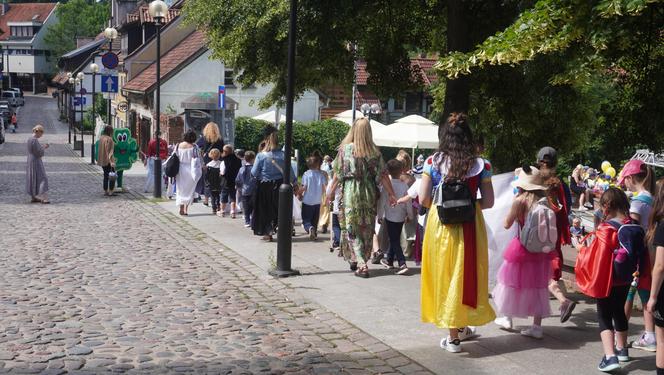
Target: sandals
[
  {"x": 353, "y": 266},
  {"x": 362, "y": 272},
  {"x": 232, "y": 215},
  {"x": 267, "y": 238}
]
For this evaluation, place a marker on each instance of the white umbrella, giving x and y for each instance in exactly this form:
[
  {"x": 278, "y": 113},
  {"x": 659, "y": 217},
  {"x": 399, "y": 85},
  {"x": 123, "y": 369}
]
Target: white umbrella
[
  {"x": 408, "y": 132},
  {"x": 415, "y": 119},
  {"x": 346, "y": 116},
  {"x": 270, "y": 117}
]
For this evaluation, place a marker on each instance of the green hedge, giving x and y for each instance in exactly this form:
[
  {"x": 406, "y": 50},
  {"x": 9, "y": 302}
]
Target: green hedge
[{"x": 323, "y": 136}]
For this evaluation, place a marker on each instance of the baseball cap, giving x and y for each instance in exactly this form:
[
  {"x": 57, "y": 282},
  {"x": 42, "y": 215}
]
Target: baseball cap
[
  {"x": 630, "y": 169},
  {"x": 548, "y": 154}
]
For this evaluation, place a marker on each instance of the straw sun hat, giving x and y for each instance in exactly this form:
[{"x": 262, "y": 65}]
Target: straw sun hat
[{"x": 529, "y": 178}]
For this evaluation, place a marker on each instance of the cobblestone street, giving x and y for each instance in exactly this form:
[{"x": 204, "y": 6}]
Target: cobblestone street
[{"x": 94, "y": 284}]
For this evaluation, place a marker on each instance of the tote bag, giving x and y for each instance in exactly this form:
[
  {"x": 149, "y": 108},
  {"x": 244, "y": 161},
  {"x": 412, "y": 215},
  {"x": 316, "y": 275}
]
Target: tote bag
[{"x": 594, "y": 264}]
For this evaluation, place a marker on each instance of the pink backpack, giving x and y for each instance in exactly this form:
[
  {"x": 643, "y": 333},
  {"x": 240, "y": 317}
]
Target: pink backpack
[{"x": 539, "y": 233}]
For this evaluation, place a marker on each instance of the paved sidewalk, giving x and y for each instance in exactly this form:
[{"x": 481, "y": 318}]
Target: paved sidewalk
[{"x": 386, "y": 306}]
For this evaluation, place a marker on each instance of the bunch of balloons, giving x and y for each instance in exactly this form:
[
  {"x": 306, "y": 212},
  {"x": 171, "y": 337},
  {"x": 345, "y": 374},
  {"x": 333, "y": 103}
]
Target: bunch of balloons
[{"x": 608, "y": 169}]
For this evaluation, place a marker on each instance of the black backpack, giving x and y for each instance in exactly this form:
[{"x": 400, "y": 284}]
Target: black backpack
[
  {"x": 454, "y": 201},
  {"x": 172, "y": 166}
]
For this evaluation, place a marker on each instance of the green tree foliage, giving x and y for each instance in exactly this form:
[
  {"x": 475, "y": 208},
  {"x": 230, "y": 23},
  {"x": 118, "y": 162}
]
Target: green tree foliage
[{"x": 76, "y": 18}]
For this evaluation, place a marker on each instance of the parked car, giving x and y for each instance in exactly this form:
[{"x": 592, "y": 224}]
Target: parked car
[
  {"x": 19, "y": 91},
  {"x": 2, "y": 131},
  {"x": 13, "y": 97},
  {"x": 5, "y": 114}
]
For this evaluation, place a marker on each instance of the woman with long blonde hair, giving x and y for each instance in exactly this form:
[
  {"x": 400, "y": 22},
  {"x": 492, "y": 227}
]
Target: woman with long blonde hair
[
  {"x": 360, "y": 169},
  {"x": 210, "y": 139}
]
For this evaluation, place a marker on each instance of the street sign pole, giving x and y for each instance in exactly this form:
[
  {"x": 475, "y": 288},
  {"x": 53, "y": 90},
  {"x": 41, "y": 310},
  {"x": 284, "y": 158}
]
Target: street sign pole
[
  {"x": 222, "y": 105},
  {"x": 157, "y": 163},
  {"x": 94, "y": 119},
  {"x": 82, "y": 143}
]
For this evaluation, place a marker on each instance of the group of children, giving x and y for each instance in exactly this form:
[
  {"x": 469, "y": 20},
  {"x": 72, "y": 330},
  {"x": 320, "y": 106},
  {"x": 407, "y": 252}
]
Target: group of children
[
  {"x": 226, "y": 176},
  {"x": 614, "y": 262}
]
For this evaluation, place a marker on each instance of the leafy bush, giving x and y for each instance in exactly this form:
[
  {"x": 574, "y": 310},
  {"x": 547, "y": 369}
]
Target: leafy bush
[{"x": 323, "y": 136}]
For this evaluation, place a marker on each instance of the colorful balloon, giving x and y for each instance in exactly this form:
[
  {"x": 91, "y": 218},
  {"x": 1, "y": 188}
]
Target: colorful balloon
[
  {"x": 611, "y": 172},
  {"x": 605, "y": 165}
]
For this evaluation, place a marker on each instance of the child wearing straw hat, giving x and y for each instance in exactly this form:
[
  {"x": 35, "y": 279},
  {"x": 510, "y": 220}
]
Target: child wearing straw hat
[{"x": 523, "y": 279}]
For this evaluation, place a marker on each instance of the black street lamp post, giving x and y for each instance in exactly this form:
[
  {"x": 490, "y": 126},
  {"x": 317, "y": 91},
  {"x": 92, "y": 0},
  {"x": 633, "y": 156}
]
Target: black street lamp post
[
  {"x": 94, "y": 68},
  {"x": 69, "y": 104},
  {"x": 158, "y": 10},
  {"x": 368, "y": 110},
  {"x": 80, "y": 76},
  {"x": 285, "y": 225}
]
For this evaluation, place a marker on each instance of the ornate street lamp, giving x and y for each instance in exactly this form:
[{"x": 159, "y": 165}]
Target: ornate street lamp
[
  {"x": 70, "y": 80},
  {"x": 352, "y": 48},
  {"x": 369, "y": 110},
  {"x": 80, "y": 76},
  {"x": 158, "y": 10},
  {"x": 94, "y": 68}
]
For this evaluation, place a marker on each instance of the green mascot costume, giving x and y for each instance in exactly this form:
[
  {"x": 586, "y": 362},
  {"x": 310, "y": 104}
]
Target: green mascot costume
[{"x": 125, "y": 152}]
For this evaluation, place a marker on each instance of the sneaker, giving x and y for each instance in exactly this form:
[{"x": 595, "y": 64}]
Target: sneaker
[
  {"x": 247, "y": 225},
  {"x": 452, "y": 346},
  {"x": 566, "y": 309},
  {"x": 583, "y": 208},
  {"x": 377, "y": 256},
  {"x": 312, "y": 233},
  {"x": 403, "y": 270},
  {"x": 622, "y": 354},
  {"x": 387, "y": 264},
  {"x": 609, "y": 364},
  {"x": 533, "y": 331},
  {"x": 467, "y": 333},
  {"x": 644, "y": 344},
  {"x": 505, "y": 322}
]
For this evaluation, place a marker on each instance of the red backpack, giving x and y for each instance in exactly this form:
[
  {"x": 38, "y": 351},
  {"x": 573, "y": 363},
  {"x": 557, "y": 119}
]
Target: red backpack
[{"x": 594, "y": 264}]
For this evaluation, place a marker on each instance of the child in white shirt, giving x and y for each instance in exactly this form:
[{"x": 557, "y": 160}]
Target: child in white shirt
[{"x": 394, "y": 217}]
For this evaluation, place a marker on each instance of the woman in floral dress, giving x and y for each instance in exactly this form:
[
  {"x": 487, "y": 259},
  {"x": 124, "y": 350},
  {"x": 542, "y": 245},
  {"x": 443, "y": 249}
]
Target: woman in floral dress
[{"x": 360, "y": 169}]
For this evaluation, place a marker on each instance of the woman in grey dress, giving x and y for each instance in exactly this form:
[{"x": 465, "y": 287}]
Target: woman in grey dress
[{"x": 36, "y": 182}]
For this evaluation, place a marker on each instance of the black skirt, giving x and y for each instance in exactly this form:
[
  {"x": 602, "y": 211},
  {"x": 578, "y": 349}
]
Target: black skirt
[{"x": 266, "y": 208}]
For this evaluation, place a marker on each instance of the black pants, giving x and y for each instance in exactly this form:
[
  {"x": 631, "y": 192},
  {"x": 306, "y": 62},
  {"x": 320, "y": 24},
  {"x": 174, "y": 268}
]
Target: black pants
[
  {"x": 611, "y": 310},
  {"x": 108, "y": 185},
  {"x": 394, "y": 234},
  {"x": 247, "y": 208},
  {"x": 215, "y": 197}
]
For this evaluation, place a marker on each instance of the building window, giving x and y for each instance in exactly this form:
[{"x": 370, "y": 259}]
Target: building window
[
  {"x": 413, "y": 102},
  {"x": 229, "y": 78}
]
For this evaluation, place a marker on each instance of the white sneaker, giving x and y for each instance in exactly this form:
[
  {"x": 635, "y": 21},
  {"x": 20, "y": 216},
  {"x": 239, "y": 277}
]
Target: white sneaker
[
  {"x": 505, "y": 322},
  {"x": 452, "y": 346},
  {"x": 533, "y": 331},
  {"x": 467, "y": 333}
]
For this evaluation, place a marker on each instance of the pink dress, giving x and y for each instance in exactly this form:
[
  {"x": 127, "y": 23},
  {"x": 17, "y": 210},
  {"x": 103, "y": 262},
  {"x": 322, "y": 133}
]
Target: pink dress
[{"x": 522, "y": 283}]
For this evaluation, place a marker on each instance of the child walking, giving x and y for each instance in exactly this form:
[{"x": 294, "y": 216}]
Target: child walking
[
  {"x": 246, "y": 183},
  {"x": 523, "y": 279},
  {"x": 605, "y": 271},
  {"x": 655, "y": 238},
  {"x": 336, "y": 227},
  {"x": 637, "y": 177},
  {"x": 213, "y": 177},
  {"x": 394, "y": 217},
  {"x": 313, "y": 186}
]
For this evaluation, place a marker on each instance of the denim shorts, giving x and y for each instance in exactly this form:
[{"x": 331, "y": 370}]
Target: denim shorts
[{"x": 228, "y": 195}]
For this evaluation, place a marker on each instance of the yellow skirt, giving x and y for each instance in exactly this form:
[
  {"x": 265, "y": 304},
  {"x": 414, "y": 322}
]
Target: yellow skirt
[
  {"x": 324, "y": 217},
  {"x": 442, "y": 275}
]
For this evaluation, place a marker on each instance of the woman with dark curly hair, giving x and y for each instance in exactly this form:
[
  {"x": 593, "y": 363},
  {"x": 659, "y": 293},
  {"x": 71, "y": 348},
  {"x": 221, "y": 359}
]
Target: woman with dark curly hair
[{"x": 455, "y": 261}]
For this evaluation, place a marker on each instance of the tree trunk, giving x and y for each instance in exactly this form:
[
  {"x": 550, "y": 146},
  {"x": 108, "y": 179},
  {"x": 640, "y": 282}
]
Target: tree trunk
[{"x": 457, "y": 91}]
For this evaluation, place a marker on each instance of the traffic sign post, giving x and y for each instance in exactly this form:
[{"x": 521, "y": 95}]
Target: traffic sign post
[
  {"x": 110, "y": 60},
  {"x": 222, "y": 105},
  {"x": 109, "y": 83},
  {"x": 78, "y": 99}
]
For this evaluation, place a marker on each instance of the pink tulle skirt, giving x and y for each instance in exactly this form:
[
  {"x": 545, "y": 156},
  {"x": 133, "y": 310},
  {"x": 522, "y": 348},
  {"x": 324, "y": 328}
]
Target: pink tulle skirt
[{"x": 522, "y": 283}]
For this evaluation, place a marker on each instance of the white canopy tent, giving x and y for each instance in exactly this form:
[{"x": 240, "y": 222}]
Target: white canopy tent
[
  {"x": 347, "y": 117},
  {"x": 408, "y": 132},
  {"x": 270, "y": 117}
]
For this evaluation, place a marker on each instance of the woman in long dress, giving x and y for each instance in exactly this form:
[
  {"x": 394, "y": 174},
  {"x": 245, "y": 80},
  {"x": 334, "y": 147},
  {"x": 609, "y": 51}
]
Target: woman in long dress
[
  {"x": 36, "y": 181},
  {"x": 359, "y": 169},
  {"x": 189, "y": 173},
  {"x": 455, "y": 262},
  {"x": 268, "y": 169}
]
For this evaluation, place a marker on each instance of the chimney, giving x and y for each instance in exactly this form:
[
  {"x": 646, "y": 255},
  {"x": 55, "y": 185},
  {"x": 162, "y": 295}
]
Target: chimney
[{"x": 5, "y": 7}]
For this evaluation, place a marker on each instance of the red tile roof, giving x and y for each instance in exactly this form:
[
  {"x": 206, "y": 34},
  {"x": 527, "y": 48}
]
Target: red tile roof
[
  {"x": 422, "y": 65},
  {"x": 175, "y": 59},
  {"x": 368, "y": 97},
  {"x": 141, "y": 14},
  {"x": 24, "y": 12}
]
